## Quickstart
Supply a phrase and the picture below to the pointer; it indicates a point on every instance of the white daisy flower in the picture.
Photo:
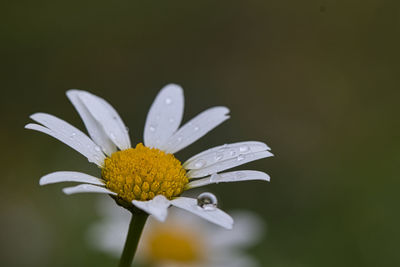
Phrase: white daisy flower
(174, 243)
(149, 177)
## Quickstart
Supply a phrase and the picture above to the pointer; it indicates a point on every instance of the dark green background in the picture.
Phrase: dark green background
(318, 81)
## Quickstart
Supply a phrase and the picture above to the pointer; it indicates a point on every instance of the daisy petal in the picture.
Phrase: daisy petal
(224, 152)
(87, 188)
(69, 135)
(158, 207)
(235, 176)
(108, 117)
(65, 176)
(164, 117)
(196, 128)
(216, 216)
(94, 128)
(228, 164)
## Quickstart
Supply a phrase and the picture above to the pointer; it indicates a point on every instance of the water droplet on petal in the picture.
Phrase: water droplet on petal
(196, 128)
(207, 201)
(152, 128)
(244, 148)
(200, 163)
(219, 156)
(223, 147)
(112, 136)
(240, 157)
(168, 101)
(73, 134)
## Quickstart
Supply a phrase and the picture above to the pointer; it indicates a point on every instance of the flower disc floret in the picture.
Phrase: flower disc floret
(141, 173)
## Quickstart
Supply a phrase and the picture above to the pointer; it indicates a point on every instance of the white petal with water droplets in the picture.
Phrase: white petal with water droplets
(158, 207)
(66, 176)
(228, 164)
(94, 128)
(196, 128)
(108, 117)
(235, 176)
(87, 188)
(164, 117)
(69, 135)
(224, 152)
(216, 216)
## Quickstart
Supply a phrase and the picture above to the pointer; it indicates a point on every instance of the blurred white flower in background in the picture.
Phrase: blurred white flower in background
(182, 240)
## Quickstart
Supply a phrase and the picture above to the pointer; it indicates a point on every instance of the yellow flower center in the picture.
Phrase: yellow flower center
(176, 245)
(141, 173)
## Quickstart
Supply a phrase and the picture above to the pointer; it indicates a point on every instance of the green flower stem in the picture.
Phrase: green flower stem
(132, 240)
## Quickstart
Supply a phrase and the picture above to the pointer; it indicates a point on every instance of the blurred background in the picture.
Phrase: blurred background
(318, 81)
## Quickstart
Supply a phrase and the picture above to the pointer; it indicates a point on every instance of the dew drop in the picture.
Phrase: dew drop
(223, 147)
(152, 128)
(219, 156)
(244, 148)
(168, 101)
(200, 163)
(240, 157)
(207, 201)
(73, 134)
(196, 128)
(112, 136)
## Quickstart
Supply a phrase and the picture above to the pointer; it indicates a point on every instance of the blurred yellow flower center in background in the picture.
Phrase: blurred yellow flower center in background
(141, 173)
(174, 245)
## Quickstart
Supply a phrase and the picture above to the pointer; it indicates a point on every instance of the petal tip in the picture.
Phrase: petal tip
(173, 85)
(67, 190)
(28, 126)
(42, 181)
(71, 91)
(229, 226)
(36, 116)
(226, 110)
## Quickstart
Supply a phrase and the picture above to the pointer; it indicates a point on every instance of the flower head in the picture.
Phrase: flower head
(149, 177)
(175, 243)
